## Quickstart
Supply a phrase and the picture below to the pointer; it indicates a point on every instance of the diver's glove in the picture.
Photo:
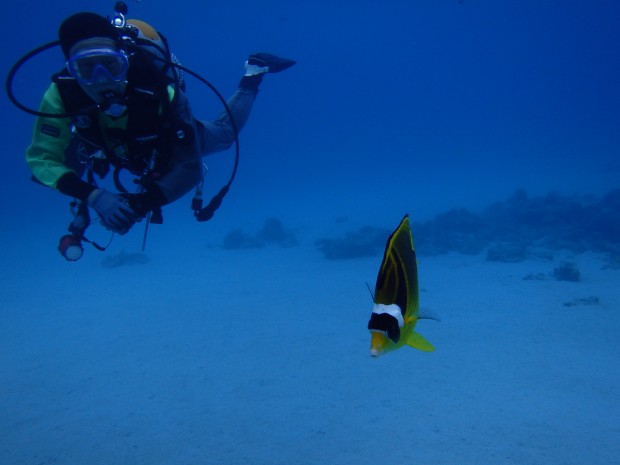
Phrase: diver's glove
(258, 64)
(150, 201)
(114, 211)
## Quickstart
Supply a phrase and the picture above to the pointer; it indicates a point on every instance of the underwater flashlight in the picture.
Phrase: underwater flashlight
(70, 247)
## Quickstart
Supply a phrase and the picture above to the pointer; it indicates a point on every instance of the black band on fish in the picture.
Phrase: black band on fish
(386, 323)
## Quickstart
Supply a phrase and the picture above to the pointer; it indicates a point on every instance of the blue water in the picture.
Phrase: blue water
(393, 107)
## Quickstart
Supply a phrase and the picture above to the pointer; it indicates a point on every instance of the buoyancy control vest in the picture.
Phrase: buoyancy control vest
(151, 87)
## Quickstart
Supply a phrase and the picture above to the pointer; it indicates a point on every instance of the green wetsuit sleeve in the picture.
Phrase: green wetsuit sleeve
(50, 138)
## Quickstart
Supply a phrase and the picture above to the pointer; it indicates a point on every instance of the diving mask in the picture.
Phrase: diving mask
(98, 65)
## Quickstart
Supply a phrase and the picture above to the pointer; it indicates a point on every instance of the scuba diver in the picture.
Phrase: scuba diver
(120, 105)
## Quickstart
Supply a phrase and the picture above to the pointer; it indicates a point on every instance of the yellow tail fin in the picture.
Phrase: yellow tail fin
(417, 341)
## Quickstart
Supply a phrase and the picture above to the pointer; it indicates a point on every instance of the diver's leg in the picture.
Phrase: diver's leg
(219, 134)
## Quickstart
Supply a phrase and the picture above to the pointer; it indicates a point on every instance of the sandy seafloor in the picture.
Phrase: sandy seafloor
(260, 356)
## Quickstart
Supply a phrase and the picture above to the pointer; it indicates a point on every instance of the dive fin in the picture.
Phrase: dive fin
(417, 341)
(274, 64)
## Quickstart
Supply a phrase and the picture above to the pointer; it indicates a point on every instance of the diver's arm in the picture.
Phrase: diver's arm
(46, 154)
(184, 170)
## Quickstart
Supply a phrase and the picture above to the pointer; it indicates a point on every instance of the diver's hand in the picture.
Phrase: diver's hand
(150, 201)
(261, 63)
(114, 211)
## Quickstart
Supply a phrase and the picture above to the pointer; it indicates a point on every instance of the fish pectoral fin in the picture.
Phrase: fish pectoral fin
(417, 341)
(426, 314)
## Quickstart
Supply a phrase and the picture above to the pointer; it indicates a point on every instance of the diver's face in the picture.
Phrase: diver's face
(99, 68)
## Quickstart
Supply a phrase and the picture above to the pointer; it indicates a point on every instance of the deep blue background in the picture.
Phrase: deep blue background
(206, 355)
(393, 106)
